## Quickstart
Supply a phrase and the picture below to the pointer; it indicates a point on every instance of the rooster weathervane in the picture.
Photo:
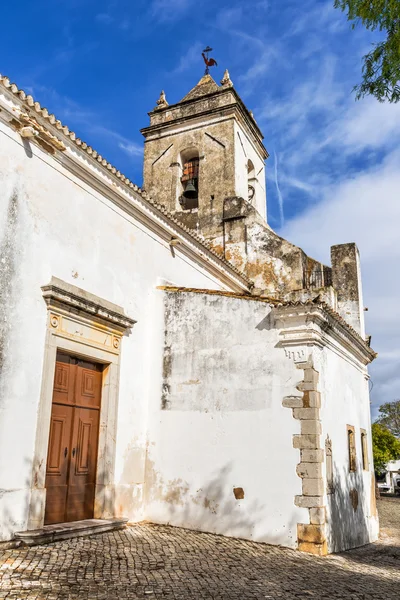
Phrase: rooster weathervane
(210, 62)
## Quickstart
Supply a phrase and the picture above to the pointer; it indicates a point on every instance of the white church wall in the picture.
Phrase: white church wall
(351, 507)
(54, 224)
(220, 427)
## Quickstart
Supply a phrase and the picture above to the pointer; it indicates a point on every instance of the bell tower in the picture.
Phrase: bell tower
(202, 151)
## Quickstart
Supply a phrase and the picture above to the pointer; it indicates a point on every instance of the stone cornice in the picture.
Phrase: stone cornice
(17, 109)
(237, 108)
(59, 293)
(312, 324)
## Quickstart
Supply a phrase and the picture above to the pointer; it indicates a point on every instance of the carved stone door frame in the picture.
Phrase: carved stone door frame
(90, 327)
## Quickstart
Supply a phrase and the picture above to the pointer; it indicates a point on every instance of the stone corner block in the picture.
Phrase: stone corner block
(317, 516)
(311, 426)
(293, 402)
(311, 470)
(310, 548)
(306, 413)
(309, 501)
(312, 456)
(313, 487)
(311, 399)
(314, 534)
(306, 441)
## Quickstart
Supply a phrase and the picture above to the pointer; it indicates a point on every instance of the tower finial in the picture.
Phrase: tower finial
(226, 80)
(210, 62)
(162, 101)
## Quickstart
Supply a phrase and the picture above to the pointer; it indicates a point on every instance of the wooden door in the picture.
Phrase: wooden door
(73, 440)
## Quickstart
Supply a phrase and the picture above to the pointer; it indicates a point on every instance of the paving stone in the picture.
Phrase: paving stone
(161, 562)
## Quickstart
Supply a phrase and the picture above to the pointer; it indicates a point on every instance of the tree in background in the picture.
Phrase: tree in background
(389, 416)
(385, 446)
(381, 68)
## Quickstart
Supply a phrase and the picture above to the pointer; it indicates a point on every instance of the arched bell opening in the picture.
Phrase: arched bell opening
(189, 193)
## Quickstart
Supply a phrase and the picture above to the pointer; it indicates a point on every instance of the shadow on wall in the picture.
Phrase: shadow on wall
(217, 506)
(9, 524)
(9, 257)
(348, 515)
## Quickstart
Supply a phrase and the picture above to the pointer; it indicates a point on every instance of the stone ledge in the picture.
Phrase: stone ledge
(65, 531)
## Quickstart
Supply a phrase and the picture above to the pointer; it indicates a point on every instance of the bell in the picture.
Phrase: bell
(190, 190)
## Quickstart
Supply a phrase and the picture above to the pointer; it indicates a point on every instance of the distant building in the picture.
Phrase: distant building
(389, 480)
(164, 354)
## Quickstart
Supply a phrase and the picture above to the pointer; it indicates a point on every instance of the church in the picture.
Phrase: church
(164, 354)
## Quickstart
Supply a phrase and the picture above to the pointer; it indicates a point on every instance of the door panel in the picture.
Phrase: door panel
(88, 385)
(57, 463)
(82, 475)
(64, 380)
(73, 440)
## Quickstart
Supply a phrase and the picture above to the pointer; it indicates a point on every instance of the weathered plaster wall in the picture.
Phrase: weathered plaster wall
(346, 276)
(220, 424)
(214, 144)
(351, 509)
(52, 223)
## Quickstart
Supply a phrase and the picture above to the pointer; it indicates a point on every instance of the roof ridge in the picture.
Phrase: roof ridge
(64, 129)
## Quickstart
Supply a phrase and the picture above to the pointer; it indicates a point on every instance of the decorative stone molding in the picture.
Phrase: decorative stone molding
(311, 537)
(226, 80)
(162, 101)
(309, 324)
(30, 128)
(60, 295)
(81, 324)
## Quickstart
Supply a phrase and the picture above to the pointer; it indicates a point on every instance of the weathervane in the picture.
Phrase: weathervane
(210, 62)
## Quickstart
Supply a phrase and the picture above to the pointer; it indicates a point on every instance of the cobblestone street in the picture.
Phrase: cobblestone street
(151, 561)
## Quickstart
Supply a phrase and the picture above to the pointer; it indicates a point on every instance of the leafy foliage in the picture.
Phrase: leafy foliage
(381, 68)
(389, 416)
(385, 446)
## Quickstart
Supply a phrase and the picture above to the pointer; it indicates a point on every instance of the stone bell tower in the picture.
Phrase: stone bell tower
(200, 152)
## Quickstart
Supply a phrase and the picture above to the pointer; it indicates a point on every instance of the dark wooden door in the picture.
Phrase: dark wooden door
(73, 440)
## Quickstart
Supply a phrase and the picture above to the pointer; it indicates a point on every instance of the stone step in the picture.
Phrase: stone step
(65, 531)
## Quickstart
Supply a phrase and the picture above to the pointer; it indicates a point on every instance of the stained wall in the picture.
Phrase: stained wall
(220, 455)
(55, 224)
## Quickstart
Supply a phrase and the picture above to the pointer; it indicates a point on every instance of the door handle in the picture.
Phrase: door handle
(73, 452)
(65, 452)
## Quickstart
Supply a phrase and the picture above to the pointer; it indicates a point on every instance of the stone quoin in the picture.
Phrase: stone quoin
(164, 354)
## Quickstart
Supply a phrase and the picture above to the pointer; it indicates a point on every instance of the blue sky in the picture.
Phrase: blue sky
(333, 173)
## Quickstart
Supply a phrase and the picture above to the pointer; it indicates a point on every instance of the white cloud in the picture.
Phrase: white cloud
(370, 124)
(131, 148)
(190, 58)
(169, 10)
(104, 18)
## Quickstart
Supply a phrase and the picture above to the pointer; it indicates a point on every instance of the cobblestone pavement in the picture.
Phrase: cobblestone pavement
(160, 562)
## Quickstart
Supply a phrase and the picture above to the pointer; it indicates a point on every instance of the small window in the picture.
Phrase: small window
(329, 465)
(364, 450)
(351, 438)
